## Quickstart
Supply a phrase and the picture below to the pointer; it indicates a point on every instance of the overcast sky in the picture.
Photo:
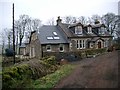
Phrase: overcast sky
(46, 9)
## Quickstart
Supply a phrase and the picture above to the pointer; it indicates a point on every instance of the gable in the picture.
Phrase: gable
(33, 36)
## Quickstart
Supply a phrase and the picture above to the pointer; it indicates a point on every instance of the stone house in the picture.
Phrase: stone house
(68, 38)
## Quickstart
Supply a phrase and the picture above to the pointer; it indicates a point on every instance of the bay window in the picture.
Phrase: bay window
(80, 44)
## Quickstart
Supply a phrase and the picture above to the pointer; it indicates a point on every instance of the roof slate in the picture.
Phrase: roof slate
(68, 30)
(47, 31)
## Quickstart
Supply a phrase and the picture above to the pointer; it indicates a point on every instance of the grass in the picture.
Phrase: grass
(49, 81)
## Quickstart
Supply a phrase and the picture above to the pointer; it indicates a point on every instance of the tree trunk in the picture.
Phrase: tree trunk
(17, 43)
(20, 45)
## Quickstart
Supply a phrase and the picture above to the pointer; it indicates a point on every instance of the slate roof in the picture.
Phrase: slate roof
(47, 31)
(69, 30)
(23, 45)
(65, 31)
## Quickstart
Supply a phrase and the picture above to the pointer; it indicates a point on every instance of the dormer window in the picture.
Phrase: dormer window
(78, 30)
(89, 29)
(102, 30)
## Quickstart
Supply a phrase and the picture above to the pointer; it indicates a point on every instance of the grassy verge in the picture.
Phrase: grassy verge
(49, 81)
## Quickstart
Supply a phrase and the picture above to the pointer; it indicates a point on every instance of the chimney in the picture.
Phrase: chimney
(97, 22)
(58, 20)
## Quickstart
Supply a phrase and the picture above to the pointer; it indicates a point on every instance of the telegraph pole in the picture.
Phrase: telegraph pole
(13, 37)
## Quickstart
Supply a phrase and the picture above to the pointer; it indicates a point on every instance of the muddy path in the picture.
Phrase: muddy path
(98, 72)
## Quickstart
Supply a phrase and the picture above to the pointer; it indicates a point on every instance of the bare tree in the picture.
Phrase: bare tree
(51, 21)
(70, 19)
(36, 24)
(20, 26)
(8, 36)
(89, 21)
(3, 41)
(82, 19)
(111, 21)
(23, 27)
(17, 28)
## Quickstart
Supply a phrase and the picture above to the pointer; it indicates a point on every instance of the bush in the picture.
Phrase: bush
(22, 74)
(117, 46)
(13, 75)
(51, 60)
(9, 52)
(49, 81)
(95, 51)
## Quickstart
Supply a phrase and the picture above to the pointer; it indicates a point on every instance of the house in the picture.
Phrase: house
(24, 49)
(68, 38)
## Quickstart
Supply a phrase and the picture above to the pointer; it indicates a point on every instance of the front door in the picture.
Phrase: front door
(99, 44)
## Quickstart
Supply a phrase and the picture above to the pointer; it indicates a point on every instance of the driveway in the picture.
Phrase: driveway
(98, 72)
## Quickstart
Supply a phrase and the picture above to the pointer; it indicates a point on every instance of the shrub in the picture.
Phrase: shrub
(13, 74)
(22, 74)
(51, 60)
(117, 46)
(9, 52)
(95, 51)
(49, 81)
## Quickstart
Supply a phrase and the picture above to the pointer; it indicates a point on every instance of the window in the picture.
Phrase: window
(77, 44)
(80, 44)
(48, 47)
(61, 48)
(56, 37)
(55, 33)
(78, 30)
(102, 30)
(49, 38)
(89, 29)
(106, 43)
(83, 43)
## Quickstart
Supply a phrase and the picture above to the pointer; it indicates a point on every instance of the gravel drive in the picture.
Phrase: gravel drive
(97, 72)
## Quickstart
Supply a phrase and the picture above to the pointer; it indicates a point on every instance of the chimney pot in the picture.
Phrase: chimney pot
(58, 20)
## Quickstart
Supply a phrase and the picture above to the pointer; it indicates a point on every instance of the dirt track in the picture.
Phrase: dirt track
(98, 72)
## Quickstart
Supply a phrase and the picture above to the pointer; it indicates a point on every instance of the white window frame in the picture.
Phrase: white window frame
(55, 33)
(89, 29)
(80, 44)
(47, 47)
(78, 30)
(56, 38)
(77, 44)
(49, 37)
(102, 30)
(106, 43)
(83, 44)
